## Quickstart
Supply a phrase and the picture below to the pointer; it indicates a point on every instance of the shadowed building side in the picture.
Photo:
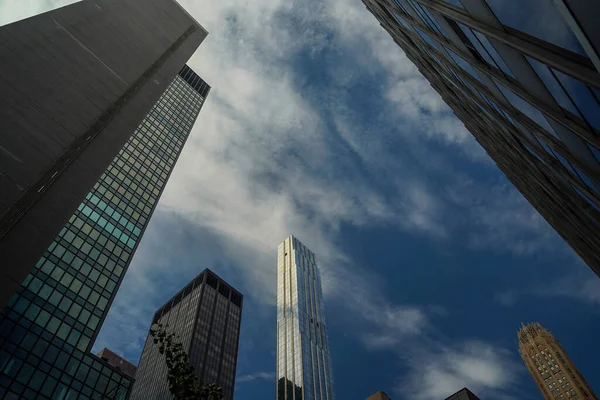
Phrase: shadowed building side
(48, 328)
(463, 394)
(206, 315)
(76, 83)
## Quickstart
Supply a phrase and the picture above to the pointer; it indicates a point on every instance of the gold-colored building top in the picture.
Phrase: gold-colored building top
(379, 396)
(553, 371)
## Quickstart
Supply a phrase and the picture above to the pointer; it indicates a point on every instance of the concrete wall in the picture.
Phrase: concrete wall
(92, 69)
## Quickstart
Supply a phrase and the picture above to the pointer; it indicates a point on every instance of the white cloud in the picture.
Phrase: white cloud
(16, 10)
(269, 157)
(497, 217)
(507, 298)
(485, 369)
(581, 285)
(267, 376)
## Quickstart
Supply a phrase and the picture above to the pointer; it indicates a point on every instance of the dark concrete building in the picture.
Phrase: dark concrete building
(48, 328)
(379, 396)
(75, 83)
(206, 314)
(553, 371)
(524, 80)
(463, 394)
(117, 361)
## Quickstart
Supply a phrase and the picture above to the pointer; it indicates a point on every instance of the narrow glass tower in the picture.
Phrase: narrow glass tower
(303, 357)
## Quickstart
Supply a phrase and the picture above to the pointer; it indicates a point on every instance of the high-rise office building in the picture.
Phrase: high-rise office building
(463, 394)
(524, 80)
(206, 315)
(49, 326)
(75, 84)
(117, 361)
(553, 371)
(379, 396)
(304, 369)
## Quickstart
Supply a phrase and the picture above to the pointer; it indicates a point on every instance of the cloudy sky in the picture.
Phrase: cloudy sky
(318, 125)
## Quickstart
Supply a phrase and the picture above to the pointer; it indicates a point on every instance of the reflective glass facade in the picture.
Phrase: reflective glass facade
(550, 366)
(525, 82)
(303, 358)
(206, 315)
(49, 325)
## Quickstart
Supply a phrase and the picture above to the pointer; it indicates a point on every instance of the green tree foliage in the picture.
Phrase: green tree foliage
(183, 383)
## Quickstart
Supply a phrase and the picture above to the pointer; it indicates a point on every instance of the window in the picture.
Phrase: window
(526, 108)
(584, 97)
(547, 25)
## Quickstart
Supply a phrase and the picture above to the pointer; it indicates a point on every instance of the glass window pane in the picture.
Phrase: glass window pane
(583, 98)
(526, 108)
(538, 18)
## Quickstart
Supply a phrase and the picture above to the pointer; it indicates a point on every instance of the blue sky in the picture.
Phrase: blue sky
(319, 126)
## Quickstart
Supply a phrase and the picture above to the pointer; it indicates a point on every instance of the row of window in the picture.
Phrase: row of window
(536, 115)
(36, 363)
(52, 320)
(570, 93)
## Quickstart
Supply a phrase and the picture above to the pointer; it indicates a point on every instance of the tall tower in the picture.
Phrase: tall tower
(529, 95)
(303, 357)
(206, 315)
(463, 394)
(50, 324)
(379, 396)
(76, 83)
(550, 366)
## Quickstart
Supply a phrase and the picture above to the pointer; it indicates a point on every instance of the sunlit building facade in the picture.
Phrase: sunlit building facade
(379, 396)
(524, 80)
(206, 316)
(553, 371)
(303, 356)
(49, 326)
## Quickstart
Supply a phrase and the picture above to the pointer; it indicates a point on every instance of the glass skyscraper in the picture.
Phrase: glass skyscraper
(49, 326)
(76, 83)
(303, 358)
(206, 315)
(524, 79)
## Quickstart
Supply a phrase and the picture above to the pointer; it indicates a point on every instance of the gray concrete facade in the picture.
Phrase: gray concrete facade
(75, 83)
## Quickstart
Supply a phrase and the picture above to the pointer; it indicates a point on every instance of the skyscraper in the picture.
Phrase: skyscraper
(206, 314)
(550, 366)
(524, 80)
(463, 394)
(76, 83)
(117, 361)
(303, 357)
(49, 326)
(379, 396)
